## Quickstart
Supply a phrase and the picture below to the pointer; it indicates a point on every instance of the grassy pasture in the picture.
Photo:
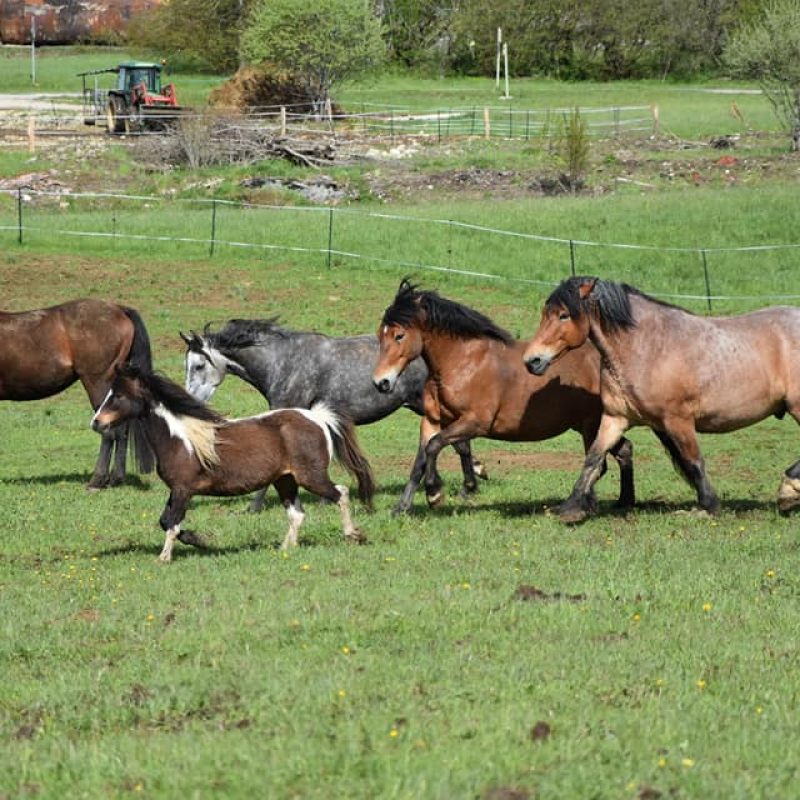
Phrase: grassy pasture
(659, 657)
(483, 650)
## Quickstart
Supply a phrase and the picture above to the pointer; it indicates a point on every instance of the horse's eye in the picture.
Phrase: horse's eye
(398, 337)
(199, 367)
(564, 316)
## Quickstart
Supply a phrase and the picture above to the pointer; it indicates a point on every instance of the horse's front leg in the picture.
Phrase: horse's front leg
(582, 502)
(623, 453)
(170, 521)
(462, 430)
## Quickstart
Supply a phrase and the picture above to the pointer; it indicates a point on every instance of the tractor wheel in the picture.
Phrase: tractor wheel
(117, 120)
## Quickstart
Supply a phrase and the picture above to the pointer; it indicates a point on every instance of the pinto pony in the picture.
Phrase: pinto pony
(480, 386)
(43, 352)
(674, 371)
(199, 452)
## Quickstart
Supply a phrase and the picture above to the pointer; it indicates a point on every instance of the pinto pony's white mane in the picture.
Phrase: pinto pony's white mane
(199, 436)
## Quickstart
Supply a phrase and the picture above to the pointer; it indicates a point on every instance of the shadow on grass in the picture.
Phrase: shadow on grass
(80, 478)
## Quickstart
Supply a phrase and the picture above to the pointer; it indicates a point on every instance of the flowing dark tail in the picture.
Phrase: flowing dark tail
(140, 356)
(349, 455)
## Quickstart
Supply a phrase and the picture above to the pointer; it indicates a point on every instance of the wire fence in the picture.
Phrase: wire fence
(111, 224)
(390, 122)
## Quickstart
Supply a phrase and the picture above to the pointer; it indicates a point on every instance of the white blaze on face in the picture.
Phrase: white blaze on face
(100, 407)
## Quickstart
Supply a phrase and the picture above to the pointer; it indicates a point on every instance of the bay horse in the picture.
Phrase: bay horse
(198, 451)
(481, 387)
(45, 351)
(297, 369)
(673, 371)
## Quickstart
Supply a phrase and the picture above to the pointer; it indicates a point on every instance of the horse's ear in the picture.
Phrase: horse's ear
(586, 288)
(187, 339)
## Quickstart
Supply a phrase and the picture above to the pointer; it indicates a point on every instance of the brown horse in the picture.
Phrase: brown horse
(199, 452)
(673, 371)
(479, 385)
(45, 351)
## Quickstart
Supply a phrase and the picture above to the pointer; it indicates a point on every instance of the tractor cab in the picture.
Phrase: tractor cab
(132, 74)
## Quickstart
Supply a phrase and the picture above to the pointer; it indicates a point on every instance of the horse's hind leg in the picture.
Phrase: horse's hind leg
(468, 468)
(414, 479)
(351, 533)
(286, 487)
(99, 479)
(680, 439)
(789, 491)
(623, 453)
(120, 455)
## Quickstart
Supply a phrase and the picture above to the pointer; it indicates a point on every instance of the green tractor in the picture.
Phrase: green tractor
(137, 103)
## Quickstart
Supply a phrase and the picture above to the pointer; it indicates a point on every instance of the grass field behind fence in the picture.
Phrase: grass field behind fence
(683, 244)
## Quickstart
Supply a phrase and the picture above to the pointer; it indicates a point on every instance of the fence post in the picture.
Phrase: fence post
(330, 236)
(487, 125)
(213, 227)
(572, 256)
(19, 215)
(707, 279)
(283, 120)
(656, 121)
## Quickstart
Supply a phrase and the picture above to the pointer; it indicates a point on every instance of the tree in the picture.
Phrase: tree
(321, 44)
(192, 34)
(767, 49)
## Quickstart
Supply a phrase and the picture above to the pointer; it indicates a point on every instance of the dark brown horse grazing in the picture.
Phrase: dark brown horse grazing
(480, 385)
(673, 371)
(199, 452)
(45, 351)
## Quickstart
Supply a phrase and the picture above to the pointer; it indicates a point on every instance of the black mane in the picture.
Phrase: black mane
(238, 333)
(609, 302)
(441, 314)
(170, 394)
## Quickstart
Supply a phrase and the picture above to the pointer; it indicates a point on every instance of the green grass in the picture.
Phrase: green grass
(407, 668)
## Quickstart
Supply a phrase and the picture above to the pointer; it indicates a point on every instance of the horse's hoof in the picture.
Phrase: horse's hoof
(435, 499)
(399, 511)
(356, 537)
(573, 515)
(466, 492)
(480, 471)
(90, 487)
(788, 494)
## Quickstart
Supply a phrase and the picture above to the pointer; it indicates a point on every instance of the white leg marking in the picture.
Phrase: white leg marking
(296, 517)
(350, 530)
(169, 542)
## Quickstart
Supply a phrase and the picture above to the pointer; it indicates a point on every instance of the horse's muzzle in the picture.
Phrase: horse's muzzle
(99, 427)
(537, 365)
(384, 385)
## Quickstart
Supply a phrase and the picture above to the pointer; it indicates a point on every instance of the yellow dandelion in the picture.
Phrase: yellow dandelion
(465, 585)
(295, 623)
(706, 607)
(662, 762)
(389, 559)
(306, 567)
(637, 617)
(770, 573)
(659, 682)
(394, 733)
(342, 693)
(688, 762)
(759, 710)
(701, 684)
(151, 617)
(346, 650)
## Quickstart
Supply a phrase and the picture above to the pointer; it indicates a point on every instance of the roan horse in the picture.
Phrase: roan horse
(481, 387)
(199, 452)
(298, 369)
(45, 351)
(673, 371)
